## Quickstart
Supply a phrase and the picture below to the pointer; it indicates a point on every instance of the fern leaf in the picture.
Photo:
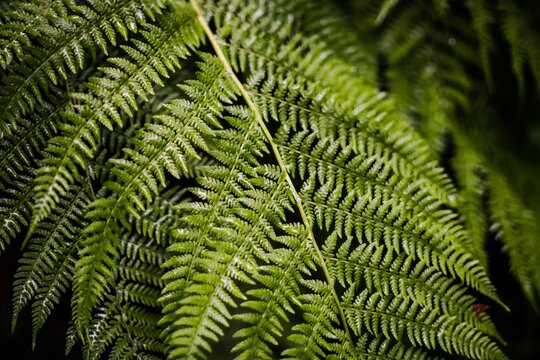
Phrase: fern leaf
(198, 306)
(107, 100)
(101, 243)
(23, 148)
(482, 20)
(523, 41)
(469, 172)
(126, 320)
(215, 87)
(262, 176)
(314, 338)
(15, 208)
(45, 269)
(518, 227)
(64, 41)
(19, 154)
(14, 37)
(56, 283)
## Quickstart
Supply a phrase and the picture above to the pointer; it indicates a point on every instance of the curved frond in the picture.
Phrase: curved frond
(106, 101)
(349, 175)
(65, 38)
(107, 213)
(518, 226)
(15, 207)
(46, 268)
(126, 320)
(23, 148)
(17, 27)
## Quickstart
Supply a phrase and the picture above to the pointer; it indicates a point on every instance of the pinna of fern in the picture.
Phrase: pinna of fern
(227, 173)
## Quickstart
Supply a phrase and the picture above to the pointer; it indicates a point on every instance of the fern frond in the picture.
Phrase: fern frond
(15, 207)
(470, 174)
(64, 42)
(119, 138)
(425, 61)
(196, 303)
(46, 268)
(56, 282)
(267, 309)
(106, 100)
(126, 321)
(518, 226)
(15, 29)
(523, 41)
(315, 338)
(215, 87)
(371, 219)
(18, 159)
(101, 242)
(24, 146)
(323, 19)
(203, 287)
(338, 204)
(482, 20)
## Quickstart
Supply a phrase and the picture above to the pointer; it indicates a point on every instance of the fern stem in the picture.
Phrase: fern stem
(258, 118)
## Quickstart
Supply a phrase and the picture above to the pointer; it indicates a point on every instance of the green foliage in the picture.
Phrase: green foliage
(60, 33)
(264, 176)
(126, 320)
(46, 268)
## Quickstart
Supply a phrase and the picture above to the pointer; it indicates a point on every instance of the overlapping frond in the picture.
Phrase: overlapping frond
(518, 226)
(355, 183)
(106, 101)
(19, 154)
(523, 41)
(46, 268)
(24, 147)
(440, 57)
(125, 322)
(482, 20)
(66, 32)
(424, 67)
(470, 174)
(150, 63)
(15, 207)
(16, 26)
(205, 296)
(322, 225)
